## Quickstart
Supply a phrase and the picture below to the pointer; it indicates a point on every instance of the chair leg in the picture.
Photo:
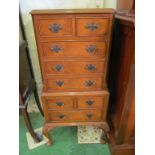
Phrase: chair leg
(38, 102)
(29, 126)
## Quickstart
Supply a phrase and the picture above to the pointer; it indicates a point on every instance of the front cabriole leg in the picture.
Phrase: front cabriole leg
(46, 130)
(105, 129)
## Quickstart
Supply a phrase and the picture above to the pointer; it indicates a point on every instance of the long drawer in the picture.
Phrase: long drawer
(75, 83)
(78, 115)
(74, 49)
(73, 67)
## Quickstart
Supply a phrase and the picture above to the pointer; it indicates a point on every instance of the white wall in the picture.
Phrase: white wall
(27, 5)
(110, 3)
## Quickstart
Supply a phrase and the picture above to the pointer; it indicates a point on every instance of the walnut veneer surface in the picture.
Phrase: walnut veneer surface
(73, 48)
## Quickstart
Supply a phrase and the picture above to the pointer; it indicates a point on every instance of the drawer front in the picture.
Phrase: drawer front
(61, 103)
(83, 83)
(85, 115)
(92, 26)
(73, 67)
(74, 49)
(92, 102)
(55, 27)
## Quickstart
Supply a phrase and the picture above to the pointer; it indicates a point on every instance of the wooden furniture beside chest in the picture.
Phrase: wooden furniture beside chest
(122, 83)
(27, 84)
(73, 48)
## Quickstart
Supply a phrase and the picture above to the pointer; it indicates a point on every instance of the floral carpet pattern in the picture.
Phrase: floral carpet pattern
(89, 134)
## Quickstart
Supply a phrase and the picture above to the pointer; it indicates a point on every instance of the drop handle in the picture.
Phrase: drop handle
(59, 83)
(90, 102)
(89, 116)
(92, 26)
(61, 116)
(89, 83)
(55, 27)
(91, 48)
(56, 49)
(58, 67)
(60, 104)
(90, 67)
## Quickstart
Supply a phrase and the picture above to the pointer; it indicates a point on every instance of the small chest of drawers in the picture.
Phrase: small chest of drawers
(73, 48)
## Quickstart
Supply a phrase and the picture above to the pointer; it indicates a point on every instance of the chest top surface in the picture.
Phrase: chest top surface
(73, 11)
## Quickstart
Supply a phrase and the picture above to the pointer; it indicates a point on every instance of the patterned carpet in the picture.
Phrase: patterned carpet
(89, 134)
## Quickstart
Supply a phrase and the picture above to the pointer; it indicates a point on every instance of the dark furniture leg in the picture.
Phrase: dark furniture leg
(26, 73)
(23, 107)
(38, 101)
(35, 136)
(27, 84)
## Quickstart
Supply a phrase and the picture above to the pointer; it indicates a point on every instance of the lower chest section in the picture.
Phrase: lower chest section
(75, 108)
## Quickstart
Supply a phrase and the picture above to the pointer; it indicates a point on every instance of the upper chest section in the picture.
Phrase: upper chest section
(73, 25)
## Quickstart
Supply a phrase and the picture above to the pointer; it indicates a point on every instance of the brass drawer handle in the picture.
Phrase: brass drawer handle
(61, 116)
(90, 102)
(92, 26)
(89, 115)
(60, 104)
(58, 67)
(91, 48)
(90, 67)
(89, 83)
(55, 27)
(56, 49)
(59, 83)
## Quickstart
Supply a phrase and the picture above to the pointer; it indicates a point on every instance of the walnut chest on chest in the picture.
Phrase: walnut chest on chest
(73, 48)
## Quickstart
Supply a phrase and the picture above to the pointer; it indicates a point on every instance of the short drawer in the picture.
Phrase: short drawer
(92, 102)
(73, 67)
(54, 27)
(60, 103)
(83, 115)
(74, 49)
(92, 26)
(75, 83)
